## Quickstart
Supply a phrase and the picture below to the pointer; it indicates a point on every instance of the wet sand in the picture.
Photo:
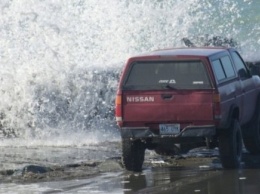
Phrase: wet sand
(98, 169)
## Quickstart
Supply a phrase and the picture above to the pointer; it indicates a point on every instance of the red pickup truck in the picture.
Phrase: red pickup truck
(169, 99)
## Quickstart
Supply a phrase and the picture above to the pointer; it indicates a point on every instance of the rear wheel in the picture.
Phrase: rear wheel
(133, 154)
(251, 136)
(230, 146)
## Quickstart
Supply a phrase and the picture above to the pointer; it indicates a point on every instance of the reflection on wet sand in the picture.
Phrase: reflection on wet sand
(194, 180)
(97, 169)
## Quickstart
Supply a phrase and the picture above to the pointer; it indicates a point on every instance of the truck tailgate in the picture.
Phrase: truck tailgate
(167, 106)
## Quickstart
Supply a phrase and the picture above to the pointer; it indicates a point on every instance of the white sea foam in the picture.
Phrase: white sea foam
(60, 60)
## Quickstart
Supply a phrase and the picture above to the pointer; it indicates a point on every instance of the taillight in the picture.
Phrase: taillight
(118, 111)
(216, 105)
(216, 98)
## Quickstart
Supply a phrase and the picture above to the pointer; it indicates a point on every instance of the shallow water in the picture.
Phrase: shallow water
(97, 169)
(195, 179)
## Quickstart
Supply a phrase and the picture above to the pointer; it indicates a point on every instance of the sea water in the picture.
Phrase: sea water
(60, 61)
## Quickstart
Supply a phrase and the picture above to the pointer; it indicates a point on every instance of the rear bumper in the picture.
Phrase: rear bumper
(190, 131)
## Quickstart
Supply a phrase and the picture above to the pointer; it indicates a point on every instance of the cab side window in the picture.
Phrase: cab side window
(240, 66)
(218, 69)
(223, 68)
(227, 65)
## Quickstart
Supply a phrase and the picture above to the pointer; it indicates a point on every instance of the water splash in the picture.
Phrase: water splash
(60, 60)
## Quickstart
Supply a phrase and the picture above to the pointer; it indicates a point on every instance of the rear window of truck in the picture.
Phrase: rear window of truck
(160, 75)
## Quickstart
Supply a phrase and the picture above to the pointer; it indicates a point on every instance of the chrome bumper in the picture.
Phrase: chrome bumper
(190, 131)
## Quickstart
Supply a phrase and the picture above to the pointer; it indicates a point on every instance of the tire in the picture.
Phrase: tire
(230, 146)
(133, 154)
(251, 136)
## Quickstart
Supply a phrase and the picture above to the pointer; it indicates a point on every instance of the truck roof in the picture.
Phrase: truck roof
(191, 51)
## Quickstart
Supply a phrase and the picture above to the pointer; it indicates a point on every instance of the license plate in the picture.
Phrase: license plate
(169, 129)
